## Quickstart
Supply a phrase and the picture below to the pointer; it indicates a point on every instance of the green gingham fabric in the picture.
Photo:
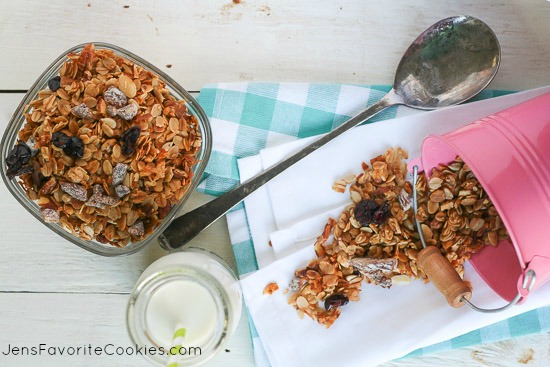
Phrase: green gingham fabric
(247, 117)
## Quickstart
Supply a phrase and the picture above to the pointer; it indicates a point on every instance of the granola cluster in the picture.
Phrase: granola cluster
(379, 248)
(111, 150)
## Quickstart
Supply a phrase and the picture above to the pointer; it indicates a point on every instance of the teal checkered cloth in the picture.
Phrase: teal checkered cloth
(247, 117)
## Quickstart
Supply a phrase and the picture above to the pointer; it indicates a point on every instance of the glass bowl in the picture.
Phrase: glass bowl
(18, 120)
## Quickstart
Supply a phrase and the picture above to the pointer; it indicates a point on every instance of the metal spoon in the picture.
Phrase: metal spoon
(447, 64)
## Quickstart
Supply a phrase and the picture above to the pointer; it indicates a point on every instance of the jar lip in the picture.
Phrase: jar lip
(218, 258)
(139, 299)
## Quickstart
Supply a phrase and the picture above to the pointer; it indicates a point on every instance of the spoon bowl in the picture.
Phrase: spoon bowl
(449, 63)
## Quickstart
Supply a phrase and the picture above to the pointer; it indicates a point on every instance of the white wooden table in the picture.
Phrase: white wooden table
(55, 293)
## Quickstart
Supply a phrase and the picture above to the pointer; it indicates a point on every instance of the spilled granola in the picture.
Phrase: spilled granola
(375, 240)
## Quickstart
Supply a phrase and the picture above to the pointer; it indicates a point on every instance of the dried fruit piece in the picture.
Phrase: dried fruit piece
(75, 190)
(271, 288)
(54, 83)
(129, 139)
(137, 230)
(118, 173)
(18, 159)
(378, 271)
(112, 110)
(128, 112)
(336, 300)
(49, 215)
(368, 211)
(114, 97)
(71, 145)
(100, 200)
(121, 191)
(82, 111)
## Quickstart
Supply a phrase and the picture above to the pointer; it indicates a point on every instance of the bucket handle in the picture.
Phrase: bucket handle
(447, 280)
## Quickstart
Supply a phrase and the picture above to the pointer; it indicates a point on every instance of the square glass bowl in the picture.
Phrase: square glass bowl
(17, 121)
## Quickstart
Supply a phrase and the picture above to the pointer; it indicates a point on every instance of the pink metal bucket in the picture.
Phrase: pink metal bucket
(509, 152)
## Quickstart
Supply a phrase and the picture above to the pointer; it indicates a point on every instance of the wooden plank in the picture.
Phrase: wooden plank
(531, 350)
(79, 320)
(38, 260)
(342, 41)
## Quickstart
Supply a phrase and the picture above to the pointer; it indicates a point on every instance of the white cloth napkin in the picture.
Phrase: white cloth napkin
(289, 211)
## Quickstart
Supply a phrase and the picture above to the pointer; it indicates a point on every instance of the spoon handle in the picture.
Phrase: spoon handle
(187, 226)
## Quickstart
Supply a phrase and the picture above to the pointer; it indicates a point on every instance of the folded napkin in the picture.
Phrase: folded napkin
(247, 117)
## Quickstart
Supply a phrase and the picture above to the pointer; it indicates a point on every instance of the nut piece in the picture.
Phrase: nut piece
(111, 110)
(127, 86)
(50, 215)
(118, 173)
(377, 271)
(100, 200)
(137, 229)
(83, 111)
(114, 97)
(128, 112)
(271, 288)
(75, 190)
(400, 279)
(121, 191)
(405, 199)
(294, 284)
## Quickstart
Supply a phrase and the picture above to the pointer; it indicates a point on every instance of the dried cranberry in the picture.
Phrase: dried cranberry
(129, 139)
(368, 211)
(336, 300)
(18, 160)
(71, 145)
(54, 83)
(382, 214)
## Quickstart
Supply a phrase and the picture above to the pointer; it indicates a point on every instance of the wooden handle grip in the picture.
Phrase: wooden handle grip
(443, 276)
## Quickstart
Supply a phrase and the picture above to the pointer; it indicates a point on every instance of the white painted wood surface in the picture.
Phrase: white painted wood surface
(52, 292)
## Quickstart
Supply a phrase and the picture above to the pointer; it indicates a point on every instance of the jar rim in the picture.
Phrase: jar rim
(139, 299)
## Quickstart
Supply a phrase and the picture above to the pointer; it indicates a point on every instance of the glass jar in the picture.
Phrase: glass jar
(192, 289)
(18, 120)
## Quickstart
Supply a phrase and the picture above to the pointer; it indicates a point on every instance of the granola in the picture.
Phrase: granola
(112, 149)
(375, 240)
(271, 288)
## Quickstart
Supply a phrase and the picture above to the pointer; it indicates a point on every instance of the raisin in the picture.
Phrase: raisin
(129, 139)
(336, 300)
(71, 145)
(77, 147)
(18, 160)
(54, 83)
(60, 140)
(368, 211)
(38, 178)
